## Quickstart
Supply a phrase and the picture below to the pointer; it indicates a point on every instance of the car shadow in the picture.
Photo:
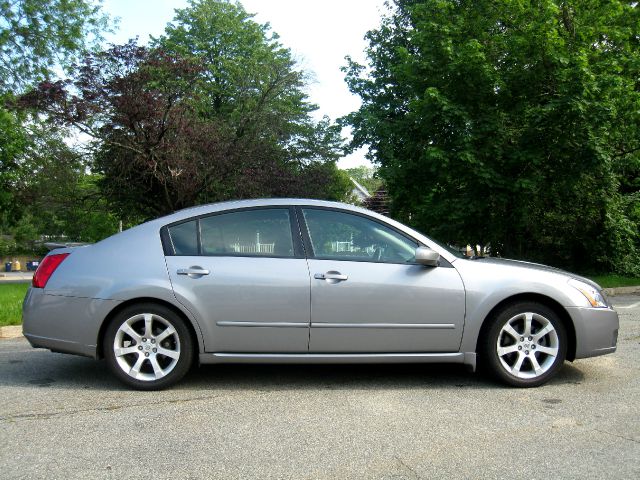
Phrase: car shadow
(346, 376)
(44, 369)
(332, 377)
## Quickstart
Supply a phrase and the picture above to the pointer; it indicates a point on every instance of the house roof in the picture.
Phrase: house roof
(363, 191)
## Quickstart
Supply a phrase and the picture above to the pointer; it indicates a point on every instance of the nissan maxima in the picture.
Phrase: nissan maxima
(306, 281)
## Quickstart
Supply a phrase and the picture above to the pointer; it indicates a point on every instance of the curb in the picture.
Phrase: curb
(16, 277)
(12, 331)
(612, 292)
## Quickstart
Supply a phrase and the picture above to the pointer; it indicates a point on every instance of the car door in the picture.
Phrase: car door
(244, 276)
(367, 294)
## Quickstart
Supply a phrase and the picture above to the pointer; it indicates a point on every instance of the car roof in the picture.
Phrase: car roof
(269, 201)
(261, 202)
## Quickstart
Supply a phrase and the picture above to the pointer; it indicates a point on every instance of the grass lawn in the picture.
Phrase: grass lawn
(611, 281)
(11, 296)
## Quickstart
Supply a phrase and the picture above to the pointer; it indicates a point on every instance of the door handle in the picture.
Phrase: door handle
(193, 271)
(336, 276)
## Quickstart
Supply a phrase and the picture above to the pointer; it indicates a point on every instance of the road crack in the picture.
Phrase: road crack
(108, 408)
(407, 467)
(615, 435)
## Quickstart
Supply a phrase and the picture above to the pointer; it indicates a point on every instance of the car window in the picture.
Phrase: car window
(343, 236)
(260, 232)
(184, 238)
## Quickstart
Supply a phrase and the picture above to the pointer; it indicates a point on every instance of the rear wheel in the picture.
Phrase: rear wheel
(148, 347)
(525, 345)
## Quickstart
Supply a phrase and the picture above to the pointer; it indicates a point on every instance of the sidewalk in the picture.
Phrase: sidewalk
(612, 292)
(16, 276)
(12, 331)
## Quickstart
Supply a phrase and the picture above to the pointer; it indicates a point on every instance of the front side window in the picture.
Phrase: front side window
(262, 232)
(344, 236)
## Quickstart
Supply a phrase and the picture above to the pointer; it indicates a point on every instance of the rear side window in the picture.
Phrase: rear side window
(184, 238)
(262, 232)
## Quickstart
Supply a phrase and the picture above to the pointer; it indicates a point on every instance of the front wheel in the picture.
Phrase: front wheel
(525, 345)
(148, 347)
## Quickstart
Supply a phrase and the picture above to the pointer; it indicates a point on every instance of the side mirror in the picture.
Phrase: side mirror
(426, 256)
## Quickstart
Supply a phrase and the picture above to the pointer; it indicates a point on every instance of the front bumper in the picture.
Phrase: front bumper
(596, 330)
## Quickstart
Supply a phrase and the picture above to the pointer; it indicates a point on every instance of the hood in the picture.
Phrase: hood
(535, 266)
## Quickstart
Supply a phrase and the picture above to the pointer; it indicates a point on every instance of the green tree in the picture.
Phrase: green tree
(37, 35)
(12, 144)
(251, 85)
(52, 194)
(513, 124)
(26, 234)
(215, 110)
(249, 78)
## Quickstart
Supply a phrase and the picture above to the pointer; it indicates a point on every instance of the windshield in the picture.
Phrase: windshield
(451, 250)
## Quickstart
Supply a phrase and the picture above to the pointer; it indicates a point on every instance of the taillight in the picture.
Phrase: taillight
(46, 269)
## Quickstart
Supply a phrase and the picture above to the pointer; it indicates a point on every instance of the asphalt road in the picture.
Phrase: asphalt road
(66, 417)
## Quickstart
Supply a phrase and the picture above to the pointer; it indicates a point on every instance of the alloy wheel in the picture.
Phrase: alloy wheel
(528, 345)
(146, 347)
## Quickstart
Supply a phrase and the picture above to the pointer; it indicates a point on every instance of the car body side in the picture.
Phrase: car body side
(93, 283)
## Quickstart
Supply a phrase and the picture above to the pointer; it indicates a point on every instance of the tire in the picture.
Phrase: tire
(525, 344)
(148, 347)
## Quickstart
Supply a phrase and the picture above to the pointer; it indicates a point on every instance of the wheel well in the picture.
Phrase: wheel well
(128, 303)
(547, 301)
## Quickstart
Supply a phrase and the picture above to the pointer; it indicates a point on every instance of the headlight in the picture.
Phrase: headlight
(593, 296)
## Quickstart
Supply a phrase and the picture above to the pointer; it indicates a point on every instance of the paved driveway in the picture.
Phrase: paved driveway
(65, 417)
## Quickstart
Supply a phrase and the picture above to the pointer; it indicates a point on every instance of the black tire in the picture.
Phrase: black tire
(152, 364)
(524, 360)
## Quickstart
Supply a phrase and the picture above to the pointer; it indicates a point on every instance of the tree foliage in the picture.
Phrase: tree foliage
(41, 178)
(155, 151)
(514, 124)
(248, 78)
(37, 35)
(215, 109)
(52, 194)
(251, 85)
(12, 143)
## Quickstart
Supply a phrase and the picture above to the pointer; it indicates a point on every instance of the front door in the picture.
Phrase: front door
(367, 294)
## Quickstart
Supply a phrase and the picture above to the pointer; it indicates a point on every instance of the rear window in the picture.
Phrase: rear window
(257, 232)
(184, 238)
(261, 232)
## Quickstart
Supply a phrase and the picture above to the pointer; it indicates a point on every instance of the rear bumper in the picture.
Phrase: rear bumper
(596, 330)
(62, 346)
(63, 324)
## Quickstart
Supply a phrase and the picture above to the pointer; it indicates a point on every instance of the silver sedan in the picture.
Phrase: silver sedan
(306, 281)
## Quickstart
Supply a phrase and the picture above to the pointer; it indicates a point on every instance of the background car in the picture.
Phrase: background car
(306, 281)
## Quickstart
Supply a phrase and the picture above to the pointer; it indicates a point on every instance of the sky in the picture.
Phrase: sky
(320, 33)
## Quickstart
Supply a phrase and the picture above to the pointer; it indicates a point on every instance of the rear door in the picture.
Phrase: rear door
(243, 274)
